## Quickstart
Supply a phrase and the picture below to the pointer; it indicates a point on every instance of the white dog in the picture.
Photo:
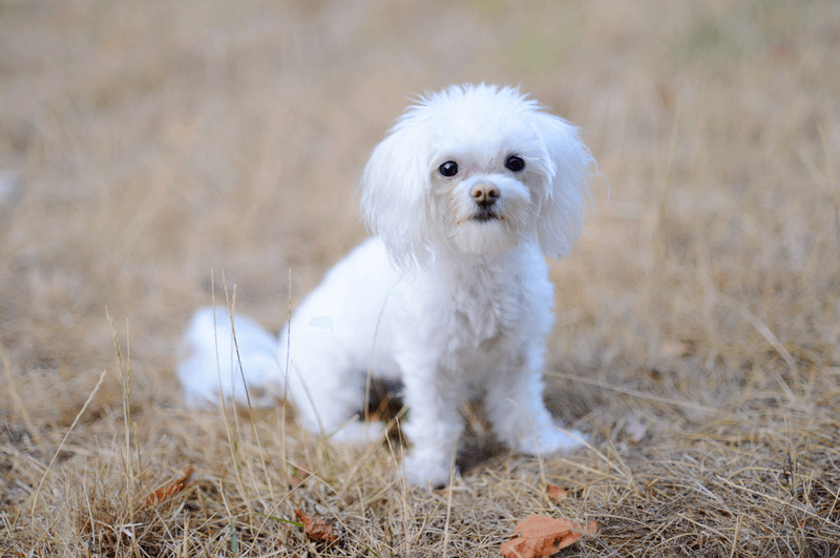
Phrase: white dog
(451, 295)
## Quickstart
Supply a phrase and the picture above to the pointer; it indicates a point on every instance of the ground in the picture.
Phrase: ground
(154, 152)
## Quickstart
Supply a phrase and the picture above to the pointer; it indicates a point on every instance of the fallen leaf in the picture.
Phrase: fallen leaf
(539, 535)
(300, 473)
(315, 528)
(166, 492)
(556, 493)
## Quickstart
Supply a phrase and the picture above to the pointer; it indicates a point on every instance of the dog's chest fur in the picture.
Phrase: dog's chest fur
(487, 306)
(488, 311)
(467, 316)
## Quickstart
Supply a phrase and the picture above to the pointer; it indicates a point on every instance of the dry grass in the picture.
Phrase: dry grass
(153, 141)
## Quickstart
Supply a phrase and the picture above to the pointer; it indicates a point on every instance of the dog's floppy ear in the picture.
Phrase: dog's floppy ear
(568, 176)
(394, 192)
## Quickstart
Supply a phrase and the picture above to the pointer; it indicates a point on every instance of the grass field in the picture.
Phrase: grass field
(144, 143)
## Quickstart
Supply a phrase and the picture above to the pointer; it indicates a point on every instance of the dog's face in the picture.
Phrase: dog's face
(476, 170)
(486, 180)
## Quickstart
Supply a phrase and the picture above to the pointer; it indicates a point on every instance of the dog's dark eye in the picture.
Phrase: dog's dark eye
(515, 163)
(449, 168)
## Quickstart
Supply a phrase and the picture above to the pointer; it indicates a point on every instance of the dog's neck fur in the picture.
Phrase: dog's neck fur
(485, 291)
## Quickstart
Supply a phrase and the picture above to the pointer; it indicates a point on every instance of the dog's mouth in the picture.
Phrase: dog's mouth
(485, 214)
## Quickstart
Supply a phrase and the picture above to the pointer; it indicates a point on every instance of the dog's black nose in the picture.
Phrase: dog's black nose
(484, 194)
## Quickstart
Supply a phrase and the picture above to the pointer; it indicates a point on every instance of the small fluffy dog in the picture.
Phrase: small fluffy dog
(473, 186)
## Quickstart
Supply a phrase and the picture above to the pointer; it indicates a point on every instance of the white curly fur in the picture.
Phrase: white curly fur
(449, 296)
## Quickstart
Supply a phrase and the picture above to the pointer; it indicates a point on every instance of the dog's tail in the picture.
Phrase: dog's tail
(238, 361)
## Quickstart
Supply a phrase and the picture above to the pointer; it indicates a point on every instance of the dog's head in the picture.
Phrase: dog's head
(476, 170)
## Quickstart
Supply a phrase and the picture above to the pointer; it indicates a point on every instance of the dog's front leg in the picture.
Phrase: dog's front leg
(433, 427)
(516, 408)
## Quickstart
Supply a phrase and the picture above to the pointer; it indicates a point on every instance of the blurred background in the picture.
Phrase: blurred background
(145, 144)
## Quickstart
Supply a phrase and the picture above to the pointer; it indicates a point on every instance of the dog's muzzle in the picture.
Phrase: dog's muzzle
(485, 195)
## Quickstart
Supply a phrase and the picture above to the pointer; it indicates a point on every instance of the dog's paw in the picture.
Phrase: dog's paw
(551, 439)
(426, 473)
(359, 433)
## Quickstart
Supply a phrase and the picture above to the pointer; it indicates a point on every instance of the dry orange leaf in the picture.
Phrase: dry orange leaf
(300, 473)
(315, 528)
(166, 492)
(556, 493)
(539, 535)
